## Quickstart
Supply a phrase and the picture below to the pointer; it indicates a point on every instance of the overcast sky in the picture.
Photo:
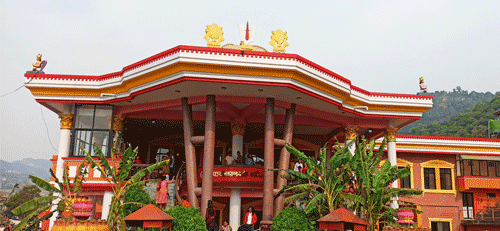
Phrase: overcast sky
(381, 46)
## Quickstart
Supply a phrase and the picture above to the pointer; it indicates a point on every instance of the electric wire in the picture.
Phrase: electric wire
(16, 89)
(47, 129)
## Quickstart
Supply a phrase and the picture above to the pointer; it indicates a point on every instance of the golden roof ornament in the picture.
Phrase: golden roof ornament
(39, 63)
(214, 35)
(279, 41)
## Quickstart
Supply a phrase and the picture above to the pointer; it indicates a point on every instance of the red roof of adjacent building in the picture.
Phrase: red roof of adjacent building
(148, 213)
(342, 215)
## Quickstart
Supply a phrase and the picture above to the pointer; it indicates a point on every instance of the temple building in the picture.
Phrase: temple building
(209, 103)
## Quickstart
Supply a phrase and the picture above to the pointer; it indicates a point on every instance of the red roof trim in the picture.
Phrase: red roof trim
(447, 138)
(441, 152)
(229, 81)
(206, 50)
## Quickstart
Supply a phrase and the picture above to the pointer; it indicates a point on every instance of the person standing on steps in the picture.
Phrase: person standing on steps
(249, 220)
(210, 217)
(162, 191)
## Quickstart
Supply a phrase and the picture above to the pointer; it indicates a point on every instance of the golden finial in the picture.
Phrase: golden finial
(38, 63)
(279, 40)
(214, 35)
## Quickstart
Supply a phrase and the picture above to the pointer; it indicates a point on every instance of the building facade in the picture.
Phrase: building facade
(210, 103)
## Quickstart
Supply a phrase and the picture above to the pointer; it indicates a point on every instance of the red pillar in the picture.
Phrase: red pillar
(190, 153)
(208, 160)
(285, 156)
(268, 161)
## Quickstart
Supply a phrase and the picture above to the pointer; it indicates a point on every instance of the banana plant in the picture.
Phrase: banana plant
(118, 177)
(61, 195)
(322, 188)
(372, 183)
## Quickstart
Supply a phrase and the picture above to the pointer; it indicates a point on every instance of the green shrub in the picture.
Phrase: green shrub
(292, 218)
(187, 219)
(135, 194)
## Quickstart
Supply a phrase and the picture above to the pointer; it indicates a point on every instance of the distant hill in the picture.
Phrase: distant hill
(471, 123)
(18, 171)
(449, 104)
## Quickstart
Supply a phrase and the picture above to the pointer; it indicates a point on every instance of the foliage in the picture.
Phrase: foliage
(187, 219)
(134, 194)
(292, 218)
(457, 113)
(27, 193)
(60, 195)
(118, 177)
(370, 183)
(322, 188)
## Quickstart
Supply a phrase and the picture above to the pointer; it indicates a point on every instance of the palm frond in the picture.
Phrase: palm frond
(56, 180)
(28, 218)
(43, 184)
(32, 204)
(314, 202)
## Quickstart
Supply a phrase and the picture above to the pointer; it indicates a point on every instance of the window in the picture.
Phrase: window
(468, 205)
(405, 182)
(430, 178)
(92, 125)
(440, 226)
(487, 168)
(438, 177)
(445, 178)
(490, 195)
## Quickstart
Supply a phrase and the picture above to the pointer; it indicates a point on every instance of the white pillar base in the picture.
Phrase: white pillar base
(237, 146)
(235, 208)
(64, 145)
(54, 216)
(106, 204)
(392, 157)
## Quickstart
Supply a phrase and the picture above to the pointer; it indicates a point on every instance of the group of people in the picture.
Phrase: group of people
(249, 220)
(5, 224)
(249, 160)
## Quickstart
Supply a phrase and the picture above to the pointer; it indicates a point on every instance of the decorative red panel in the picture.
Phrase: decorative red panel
(153, 224)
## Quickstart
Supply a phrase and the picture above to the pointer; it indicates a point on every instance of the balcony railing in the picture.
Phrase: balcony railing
(484, 217)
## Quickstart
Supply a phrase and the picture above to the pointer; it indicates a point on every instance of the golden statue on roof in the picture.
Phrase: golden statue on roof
(279, 40)
(38, 63)
(214, 35)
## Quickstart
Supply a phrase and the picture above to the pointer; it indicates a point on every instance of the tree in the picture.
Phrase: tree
(60, 195)
(292, 218)
(350, 181)
(371, 184)
(118, 177)
(187, 219)
(321, 188)
(27, 193)
(134, 194)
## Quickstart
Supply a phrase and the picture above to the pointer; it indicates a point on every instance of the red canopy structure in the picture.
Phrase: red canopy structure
(149, 217)
(340, 220)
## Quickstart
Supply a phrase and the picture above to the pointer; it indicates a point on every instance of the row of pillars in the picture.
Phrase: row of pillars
(269, 206)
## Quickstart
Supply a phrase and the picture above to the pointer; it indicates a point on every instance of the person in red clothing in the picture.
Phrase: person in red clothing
(304, 169)
(250, 219)
(210, 217)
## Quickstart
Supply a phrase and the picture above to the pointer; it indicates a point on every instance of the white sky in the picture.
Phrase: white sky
(381, 46)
